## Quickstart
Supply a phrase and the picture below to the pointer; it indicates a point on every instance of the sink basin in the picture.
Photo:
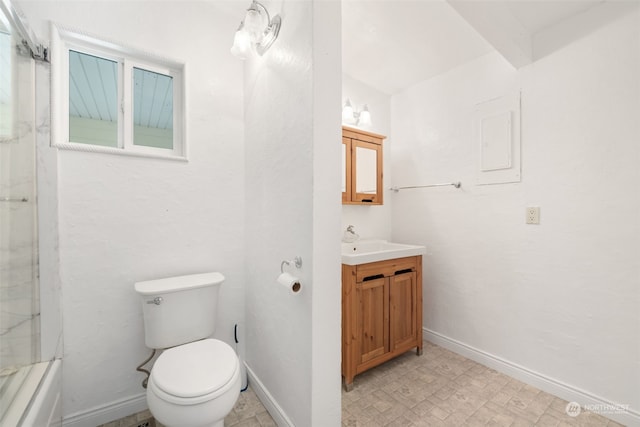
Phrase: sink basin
(364, 251)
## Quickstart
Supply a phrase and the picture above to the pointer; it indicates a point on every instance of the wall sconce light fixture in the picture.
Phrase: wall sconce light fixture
(351, 116)
(257, 32)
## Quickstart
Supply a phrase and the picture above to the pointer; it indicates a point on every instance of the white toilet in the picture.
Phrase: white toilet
(196, 381)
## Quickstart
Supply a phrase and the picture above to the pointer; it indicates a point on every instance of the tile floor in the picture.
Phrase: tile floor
(248, 412)
(442, 388)
(439, 388)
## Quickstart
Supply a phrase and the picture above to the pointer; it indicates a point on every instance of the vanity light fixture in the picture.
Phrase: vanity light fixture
(257, 31)
(359, 118)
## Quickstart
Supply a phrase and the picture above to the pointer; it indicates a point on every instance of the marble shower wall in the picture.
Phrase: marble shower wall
(19, 300)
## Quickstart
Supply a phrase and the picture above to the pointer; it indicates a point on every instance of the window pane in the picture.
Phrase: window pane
(93, 100)
(152, 109)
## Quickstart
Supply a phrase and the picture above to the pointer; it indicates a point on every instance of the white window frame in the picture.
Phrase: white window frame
(62, 41)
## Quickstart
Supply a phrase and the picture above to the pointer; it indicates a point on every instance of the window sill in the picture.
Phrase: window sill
(117, 151)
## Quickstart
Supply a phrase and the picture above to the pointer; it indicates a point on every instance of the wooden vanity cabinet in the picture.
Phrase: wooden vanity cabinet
(362, 167)
(381, 313)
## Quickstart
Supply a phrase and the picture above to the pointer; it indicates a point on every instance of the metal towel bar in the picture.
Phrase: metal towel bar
(455, 184)
(13, 199)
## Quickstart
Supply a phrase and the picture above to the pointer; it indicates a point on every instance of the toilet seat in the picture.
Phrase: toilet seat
(194, 373)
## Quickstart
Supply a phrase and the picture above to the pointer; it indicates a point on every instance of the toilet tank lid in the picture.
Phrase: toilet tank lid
(178, 283)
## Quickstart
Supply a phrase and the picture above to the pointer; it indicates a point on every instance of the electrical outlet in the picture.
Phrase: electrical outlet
(533, 215)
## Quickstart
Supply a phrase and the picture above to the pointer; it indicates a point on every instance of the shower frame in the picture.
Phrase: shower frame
(30, 389)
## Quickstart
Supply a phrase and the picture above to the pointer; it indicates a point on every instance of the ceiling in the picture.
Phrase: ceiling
(393, 44)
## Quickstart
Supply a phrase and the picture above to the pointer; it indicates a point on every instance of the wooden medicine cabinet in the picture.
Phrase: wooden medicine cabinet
(362, 167)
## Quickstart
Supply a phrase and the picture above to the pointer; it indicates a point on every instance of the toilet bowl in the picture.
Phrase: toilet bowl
(195, 384)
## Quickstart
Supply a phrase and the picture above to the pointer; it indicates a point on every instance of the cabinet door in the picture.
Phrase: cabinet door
(367, 172)
(346, 170)
(361, 167)
(372, 318)
(403, 311)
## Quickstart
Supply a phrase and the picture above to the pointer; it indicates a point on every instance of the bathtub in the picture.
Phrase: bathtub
(37, 403)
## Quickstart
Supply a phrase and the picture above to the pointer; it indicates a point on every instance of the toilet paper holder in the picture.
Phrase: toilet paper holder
(297, 261)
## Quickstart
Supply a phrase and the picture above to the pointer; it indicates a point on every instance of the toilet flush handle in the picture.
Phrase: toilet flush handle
(156, 301)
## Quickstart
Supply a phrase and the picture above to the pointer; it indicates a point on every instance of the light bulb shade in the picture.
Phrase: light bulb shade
(241, 44)
(254, 24)
(257, 32)
(365, 117)
(347, 112)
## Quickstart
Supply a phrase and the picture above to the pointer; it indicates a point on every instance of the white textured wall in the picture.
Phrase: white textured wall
(292, 198)
(561, 298)
(125, 219)
(326, 391)
(371, 221)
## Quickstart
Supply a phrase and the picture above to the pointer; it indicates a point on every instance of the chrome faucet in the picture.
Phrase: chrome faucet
(350, 235)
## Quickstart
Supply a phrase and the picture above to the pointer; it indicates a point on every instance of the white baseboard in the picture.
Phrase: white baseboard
(550, 385)
(276, 412)
(109, 412)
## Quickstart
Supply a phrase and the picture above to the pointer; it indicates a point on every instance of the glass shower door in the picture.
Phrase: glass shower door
(19, 294)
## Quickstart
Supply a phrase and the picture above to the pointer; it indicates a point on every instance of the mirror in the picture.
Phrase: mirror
(366, 170)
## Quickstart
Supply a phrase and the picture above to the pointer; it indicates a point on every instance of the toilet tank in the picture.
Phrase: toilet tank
(178, 310)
